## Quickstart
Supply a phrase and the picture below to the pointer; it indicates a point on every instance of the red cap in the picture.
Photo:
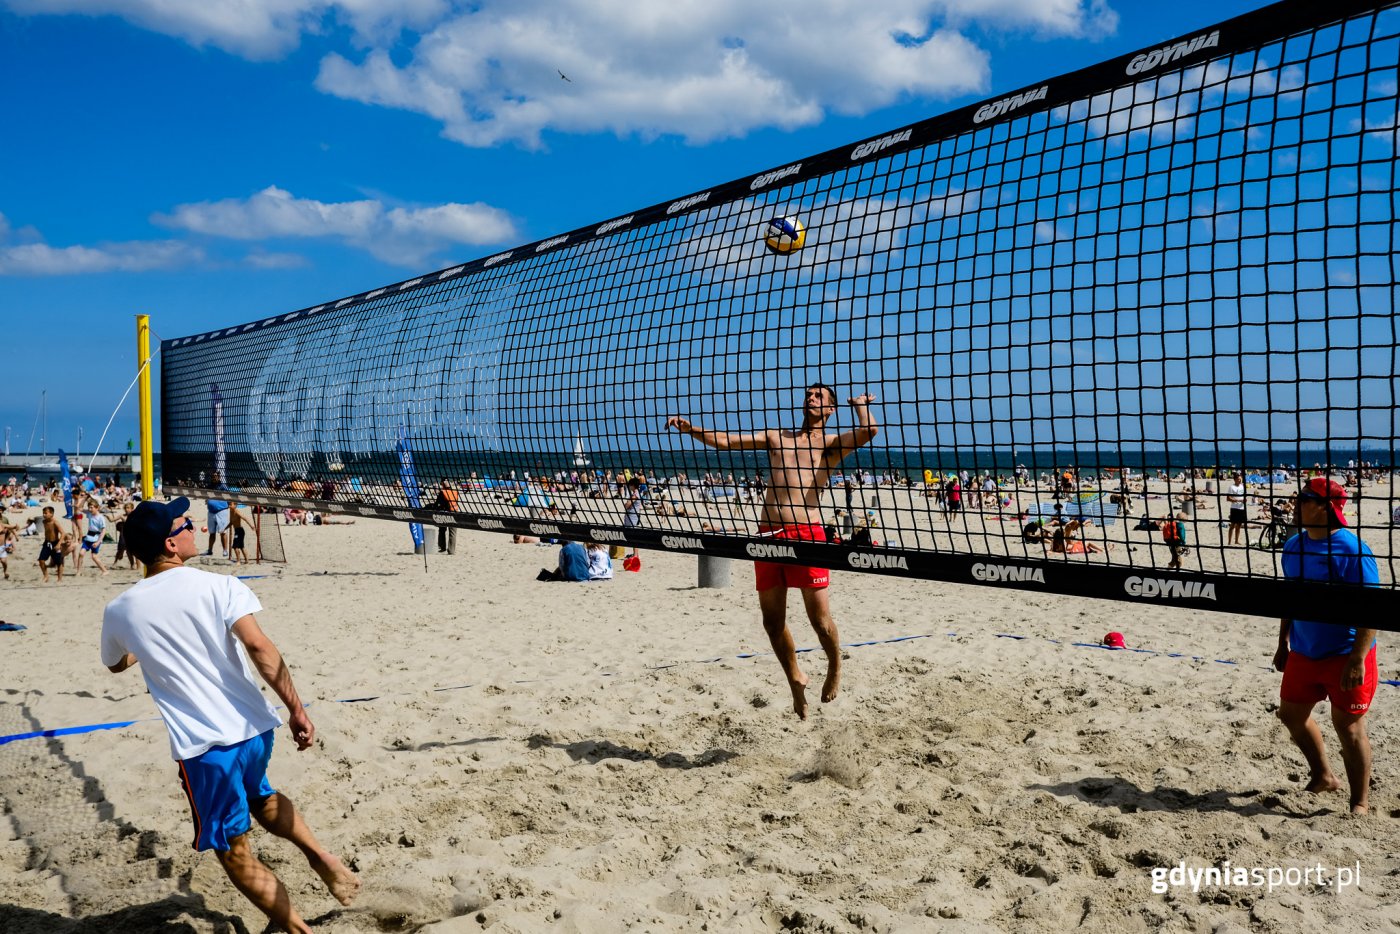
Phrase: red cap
(1332, 493)
(1114, 640)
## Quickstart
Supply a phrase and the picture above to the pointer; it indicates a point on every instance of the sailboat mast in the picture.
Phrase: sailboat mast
(29, 445)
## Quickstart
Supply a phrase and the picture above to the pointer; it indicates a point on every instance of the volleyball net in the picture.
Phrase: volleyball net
(1100, 317)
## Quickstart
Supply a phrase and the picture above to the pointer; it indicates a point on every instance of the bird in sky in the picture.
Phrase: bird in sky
(565, 77)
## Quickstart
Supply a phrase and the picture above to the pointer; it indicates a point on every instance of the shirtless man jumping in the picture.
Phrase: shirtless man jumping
(800, 462)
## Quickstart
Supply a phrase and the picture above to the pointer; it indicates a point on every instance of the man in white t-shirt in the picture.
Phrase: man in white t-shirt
(197, 642)
(1239, 510)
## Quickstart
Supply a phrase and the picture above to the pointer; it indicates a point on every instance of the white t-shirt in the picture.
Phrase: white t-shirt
(599, 565)
(179, 626)
(1236, 496)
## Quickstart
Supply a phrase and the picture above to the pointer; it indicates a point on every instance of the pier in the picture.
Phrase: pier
(126, 462)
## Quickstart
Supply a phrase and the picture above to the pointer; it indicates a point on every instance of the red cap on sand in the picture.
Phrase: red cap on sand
(1332, 493)
(1114, 640)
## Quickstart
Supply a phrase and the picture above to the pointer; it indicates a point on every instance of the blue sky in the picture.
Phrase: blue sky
(211, 166)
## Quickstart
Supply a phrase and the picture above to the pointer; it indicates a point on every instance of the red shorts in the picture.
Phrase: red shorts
(1309, 680)
(768, 575)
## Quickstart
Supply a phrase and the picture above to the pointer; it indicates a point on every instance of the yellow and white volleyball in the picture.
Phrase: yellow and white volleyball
(784, 235)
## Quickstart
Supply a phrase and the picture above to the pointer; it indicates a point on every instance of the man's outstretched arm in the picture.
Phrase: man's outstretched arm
(268, 661)
(722, 440)
(866, 429)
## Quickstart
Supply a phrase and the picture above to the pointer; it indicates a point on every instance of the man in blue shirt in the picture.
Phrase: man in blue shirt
(573, 565)
(573, 562)
(217, 519)
(1334, 661)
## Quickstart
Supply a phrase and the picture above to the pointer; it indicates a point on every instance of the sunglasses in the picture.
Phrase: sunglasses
(186, 526)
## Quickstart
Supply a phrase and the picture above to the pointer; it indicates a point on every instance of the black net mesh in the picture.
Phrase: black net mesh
(1083, 310)
(266, 542)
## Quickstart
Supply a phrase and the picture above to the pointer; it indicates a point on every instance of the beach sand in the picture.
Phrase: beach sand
(497, 753)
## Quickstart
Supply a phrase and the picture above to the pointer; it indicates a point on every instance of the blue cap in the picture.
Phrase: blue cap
(148, 526)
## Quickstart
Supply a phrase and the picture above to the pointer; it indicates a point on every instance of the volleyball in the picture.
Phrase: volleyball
(784, 235)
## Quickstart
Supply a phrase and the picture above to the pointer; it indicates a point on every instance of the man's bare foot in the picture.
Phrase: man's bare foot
(833, 681)
(1360, 810)
(1324, 782)
(343, 883)
(799, 697)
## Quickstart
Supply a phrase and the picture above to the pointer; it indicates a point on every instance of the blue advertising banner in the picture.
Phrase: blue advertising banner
(409, 478)
(66, 478)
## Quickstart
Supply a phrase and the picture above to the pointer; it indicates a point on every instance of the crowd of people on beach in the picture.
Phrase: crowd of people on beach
(953, 495)
(1083, 501)
(64, 541)
(61, 539)
(100, 507)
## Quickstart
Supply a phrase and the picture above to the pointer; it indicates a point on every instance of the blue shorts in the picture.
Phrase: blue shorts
(219, 785)
(92, 546)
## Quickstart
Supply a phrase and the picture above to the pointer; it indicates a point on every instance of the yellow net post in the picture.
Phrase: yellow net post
(143, 358)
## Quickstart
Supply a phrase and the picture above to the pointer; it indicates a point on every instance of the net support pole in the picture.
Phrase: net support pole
(143, 354)
(714, 572)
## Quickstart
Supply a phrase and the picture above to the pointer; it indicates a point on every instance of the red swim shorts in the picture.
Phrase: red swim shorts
(1309, 680)
(768, 575)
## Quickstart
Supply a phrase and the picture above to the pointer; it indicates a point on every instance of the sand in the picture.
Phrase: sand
(497, 753)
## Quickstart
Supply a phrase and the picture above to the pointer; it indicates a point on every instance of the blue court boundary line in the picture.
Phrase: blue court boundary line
(96, 727)
(71, 730)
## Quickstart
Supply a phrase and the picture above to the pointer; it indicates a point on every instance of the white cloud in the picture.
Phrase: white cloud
(489, 71)
(255, 29)
(701, 69)
(1167, 106)
(402, 236)
(40, 259)
(32, 257)
(1380, 128)
(259, 259)
(1090, 19)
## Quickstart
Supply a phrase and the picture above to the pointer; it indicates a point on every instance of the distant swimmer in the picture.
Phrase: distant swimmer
(800, 462)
